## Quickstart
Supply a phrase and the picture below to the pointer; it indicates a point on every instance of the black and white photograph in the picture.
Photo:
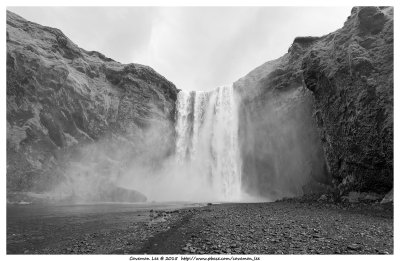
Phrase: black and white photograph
(198, 131)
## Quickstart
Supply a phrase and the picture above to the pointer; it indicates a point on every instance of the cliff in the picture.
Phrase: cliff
(62, 100)
(319, 117)
(330, 96)
(280, 145)
(350, 73)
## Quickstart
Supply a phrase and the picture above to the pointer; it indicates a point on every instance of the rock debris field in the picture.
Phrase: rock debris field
(284, 227)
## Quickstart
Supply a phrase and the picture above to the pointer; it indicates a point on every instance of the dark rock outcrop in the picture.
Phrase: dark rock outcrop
(113, 193)
(61, 98)
(320, 115)
(343, 128)
(281, 150)
(388, 197)
(350, 73)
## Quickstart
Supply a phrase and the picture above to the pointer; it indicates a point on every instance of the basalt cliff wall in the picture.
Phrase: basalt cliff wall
(323, 112)
(319, 116)
(63, 101)
(350, 73)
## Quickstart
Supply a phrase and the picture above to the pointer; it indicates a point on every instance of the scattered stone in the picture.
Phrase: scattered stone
(354, 197)
(354, 247)
(371, 197)
(388, 197)
(323, 198)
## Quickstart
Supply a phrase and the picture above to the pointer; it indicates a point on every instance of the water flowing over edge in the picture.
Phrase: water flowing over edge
(207, 143)
(206, 165)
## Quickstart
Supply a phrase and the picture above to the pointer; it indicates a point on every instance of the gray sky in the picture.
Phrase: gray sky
(197, 48)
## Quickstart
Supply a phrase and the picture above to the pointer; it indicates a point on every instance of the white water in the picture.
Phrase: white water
(207, 163)
(207, 141)
(206, 166)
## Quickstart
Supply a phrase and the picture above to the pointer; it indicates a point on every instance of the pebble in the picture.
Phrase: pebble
(354, 247)
(236, 229)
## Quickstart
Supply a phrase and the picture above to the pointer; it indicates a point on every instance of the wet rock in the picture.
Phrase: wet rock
(357, 136)
(271, 95)
(354, 197)
(371, 197)
(388, 197)
(353, 95)
(113, 193)
(323, 198)
(354, 247)
(371, 19)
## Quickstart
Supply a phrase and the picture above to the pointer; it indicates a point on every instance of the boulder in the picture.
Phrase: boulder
(388, 197)
(371, 19)
(323, 198)
(119, 194)
(371, 197)
(354, 197)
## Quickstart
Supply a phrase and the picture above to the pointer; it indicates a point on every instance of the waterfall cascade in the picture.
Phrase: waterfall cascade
(207, 140)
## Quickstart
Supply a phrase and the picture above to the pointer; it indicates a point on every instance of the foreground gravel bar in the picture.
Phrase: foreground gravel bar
(242, 228)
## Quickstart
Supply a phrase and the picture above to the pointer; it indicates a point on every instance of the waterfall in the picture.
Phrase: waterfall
(207, 140)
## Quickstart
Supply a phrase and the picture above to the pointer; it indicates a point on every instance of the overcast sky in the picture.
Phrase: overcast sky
(197, 48)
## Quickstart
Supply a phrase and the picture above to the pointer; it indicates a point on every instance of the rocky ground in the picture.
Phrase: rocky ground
(86, 229)
(286, 227)
(280, 228)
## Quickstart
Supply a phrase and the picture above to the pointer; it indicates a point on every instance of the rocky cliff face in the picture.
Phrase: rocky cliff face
(281, 150)
(320, 115)
(63, 101)
(330, 98)
(350, 73)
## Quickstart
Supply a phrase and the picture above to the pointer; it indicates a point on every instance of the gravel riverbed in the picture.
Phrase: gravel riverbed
(237, 228)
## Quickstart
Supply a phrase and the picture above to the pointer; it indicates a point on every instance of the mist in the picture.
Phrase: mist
(132, 161)
(281, 151)
(221, 147)
(195, 159)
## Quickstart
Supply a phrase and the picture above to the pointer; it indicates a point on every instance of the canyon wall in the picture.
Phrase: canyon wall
(66, 105)
(319, 116)
(323, 112)
(282, 154)
(350, 73)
